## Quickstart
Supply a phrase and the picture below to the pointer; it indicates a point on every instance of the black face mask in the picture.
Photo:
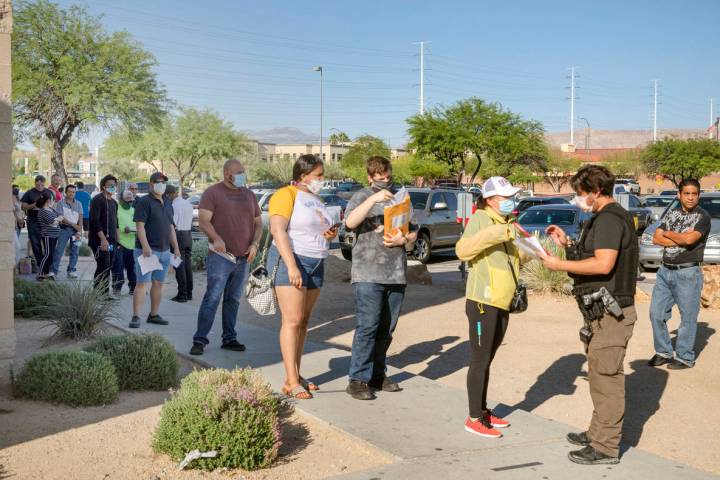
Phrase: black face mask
(382, 185)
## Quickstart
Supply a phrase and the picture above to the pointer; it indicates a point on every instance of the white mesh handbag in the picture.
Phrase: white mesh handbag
(259, 287)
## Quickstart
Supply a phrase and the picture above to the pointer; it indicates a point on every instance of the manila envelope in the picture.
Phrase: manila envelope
(398, 217)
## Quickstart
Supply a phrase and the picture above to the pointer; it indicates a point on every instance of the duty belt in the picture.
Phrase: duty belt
(680, 266)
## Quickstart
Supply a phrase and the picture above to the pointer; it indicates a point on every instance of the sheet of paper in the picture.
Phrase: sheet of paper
(226, 255)
(149, 264)
(70, 215)
(176, 261)
(530, 245)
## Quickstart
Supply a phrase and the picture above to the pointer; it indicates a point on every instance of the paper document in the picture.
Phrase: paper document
(149, 264)
(398, 213)
(71, 215)
(530, 245)
(226, 255)
(176, 261)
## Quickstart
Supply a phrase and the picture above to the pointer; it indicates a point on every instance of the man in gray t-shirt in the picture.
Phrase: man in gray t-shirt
(378, 278)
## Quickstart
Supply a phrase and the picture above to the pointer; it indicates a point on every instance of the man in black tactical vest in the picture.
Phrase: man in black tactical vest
(603, 264)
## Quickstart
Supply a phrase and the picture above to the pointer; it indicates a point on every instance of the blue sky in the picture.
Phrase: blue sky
(252, 61)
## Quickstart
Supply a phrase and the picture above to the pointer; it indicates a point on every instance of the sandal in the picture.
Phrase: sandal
(309, 386)
(298, 392)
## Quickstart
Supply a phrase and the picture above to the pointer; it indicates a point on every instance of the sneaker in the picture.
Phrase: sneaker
(233, 345)
(72, 275)
(178, 299)
(359, 390)
(496, 422)
(581, 439)
(50, 276)
(386, 385)
(481, 427)
(590, 456)
(134, 322)
(157, 319)
(678, 364)
(659, 360)
(197, 349)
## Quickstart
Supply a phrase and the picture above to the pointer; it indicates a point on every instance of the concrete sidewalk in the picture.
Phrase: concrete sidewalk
(422, 426)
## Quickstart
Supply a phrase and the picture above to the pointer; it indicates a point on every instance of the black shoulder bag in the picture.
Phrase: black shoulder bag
(520, 300)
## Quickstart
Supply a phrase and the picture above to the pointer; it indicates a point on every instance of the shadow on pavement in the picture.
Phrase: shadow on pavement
(644, 388)
(558, 379)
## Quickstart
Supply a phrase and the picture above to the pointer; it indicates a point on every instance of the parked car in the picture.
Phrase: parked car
(641, 215)
(528, 202)
(568, 217)
(657, 205)
(651, 254)
(347, 189)
(628, 184)
(669, 192)
(333, 200)
(434, 211)
(335, 205)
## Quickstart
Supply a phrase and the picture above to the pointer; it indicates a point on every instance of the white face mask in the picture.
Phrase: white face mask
(582, 203)
(314, 186)
(159, 188)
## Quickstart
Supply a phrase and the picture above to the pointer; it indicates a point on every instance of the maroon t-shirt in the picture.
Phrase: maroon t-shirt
(234, 212)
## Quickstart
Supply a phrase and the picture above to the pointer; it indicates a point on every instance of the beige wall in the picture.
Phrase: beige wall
(7, 245)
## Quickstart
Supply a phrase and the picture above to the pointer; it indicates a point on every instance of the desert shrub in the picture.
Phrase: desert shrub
(31, 297)
(73, 378)
(142, 362)
(541, 280)
(199, 254)
(75, 310)
(232, 412)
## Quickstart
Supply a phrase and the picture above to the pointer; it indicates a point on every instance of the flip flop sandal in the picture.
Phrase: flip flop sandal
(309, 386)
(296, 393)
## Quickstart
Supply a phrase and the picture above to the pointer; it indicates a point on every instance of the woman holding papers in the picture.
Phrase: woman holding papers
(494, 262)
(302, 229)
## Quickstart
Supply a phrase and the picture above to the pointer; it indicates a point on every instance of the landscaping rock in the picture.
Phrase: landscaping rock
(710, 297)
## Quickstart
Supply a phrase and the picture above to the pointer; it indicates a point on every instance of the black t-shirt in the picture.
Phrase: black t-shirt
(611, 229)
(681, 221)
(32, 196)
(157, 216)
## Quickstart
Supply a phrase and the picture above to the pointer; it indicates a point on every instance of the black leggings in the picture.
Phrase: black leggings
(491, 324)
(48, 246)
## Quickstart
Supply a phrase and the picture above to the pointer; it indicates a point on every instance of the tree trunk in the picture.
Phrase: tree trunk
(57, 160)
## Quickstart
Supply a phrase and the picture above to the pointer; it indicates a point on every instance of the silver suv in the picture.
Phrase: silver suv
(435, 213)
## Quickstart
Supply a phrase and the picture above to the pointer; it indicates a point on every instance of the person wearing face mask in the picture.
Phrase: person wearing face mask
(125, 256)
(230, 216)
(378, 277)
(155, 235)
(603, 264)
(70, 231)
(493, 267)
(103, 232)
(301, 229)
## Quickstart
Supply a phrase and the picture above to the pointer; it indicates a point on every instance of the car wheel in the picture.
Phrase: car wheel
(421, 252)
(346, 253)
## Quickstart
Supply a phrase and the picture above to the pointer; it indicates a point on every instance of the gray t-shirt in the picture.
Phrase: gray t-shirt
(372, 261)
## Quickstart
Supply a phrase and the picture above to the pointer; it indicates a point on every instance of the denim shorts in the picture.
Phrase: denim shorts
(311, 269)
(155, 275)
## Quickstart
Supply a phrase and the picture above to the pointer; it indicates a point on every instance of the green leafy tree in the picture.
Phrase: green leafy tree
(339, 138)
(472, 131)
(69, 74)
(185, 143)
(676, 159)
(559, 169)
(364, 147)
(427, 168)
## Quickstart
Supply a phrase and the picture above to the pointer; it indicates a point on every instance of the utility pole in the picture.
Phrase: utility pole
(712, 117)
(320, 69)
(572, 105)
(422, 76)
(655, 104)
(97, 166)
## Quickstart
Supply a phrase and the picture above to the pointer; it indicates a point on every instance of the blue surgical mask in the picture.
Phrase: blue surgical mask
(239, 180)
(110, 190)
(507, 207)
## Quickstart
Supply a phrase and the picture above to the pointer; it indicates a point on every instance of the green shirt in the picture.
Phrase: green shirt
(125, 219)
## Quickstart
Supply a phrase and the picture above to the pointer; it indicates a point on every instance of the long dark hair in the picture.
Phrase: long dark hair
(304, 165)
(40, 202)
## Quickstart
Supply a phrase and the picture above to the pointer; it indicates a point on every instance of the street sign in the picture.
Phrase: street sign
(466, 207)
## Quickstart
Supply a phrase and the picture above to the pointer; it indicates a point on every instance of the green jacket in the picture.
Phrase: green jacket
(490, 280)
(125, 219)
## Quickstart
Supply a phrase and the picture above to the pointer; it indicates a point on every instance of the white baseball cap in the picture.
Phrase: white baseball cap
(498, 186)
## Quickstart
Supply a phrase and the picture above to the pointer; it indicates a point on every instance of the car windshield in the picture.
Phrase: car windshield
(709, 204)
(657, 202)
(419, 200)
(547, 217)
(259, 196)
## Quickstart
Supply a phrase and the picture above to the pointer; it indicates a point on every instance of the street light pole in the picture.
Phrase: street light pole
(587, 137)
(320, 69)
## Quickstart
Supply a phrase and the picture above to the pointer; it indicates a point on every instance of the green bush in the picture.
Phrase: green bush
(199, 254)
(541, 280)
(75, 310)
(73, 378)
(232, 412)
(30, 297)
(84, 251)
(142, 362)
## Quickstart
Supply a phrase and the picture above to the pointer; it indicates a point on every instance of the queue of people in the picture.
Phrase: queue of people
(602, 262)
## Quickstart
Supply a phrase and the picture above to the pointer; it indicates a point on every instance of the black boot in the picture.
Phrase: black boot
(581, 439)
(590, 456)
(359, 390)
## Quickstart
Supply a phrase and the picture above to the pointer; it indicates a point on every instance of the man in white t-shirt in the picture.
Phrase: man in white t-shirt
(182, 216)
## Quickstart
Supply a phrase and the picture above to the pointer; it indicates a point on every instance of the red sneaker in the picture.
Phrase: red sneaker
(481, 427)
(495, 421)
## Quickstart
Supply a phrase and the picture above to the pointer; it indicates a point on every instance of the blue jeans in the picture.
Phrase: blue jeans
(124, 263)
(377, 309)
(66, 235)
(224, 279)
(682, 288)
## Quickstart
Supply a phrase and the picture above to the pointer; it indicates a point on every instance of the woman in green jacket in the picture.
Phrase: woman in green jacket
(487, 247)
